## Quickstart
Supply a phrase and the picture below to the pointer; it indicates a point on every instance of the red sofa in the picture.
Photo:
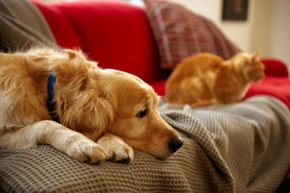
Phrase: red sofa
(118, 35)
(114, 33)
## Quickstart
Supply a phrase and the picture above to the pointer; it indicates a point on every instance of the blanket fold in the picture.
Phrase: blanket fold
(23, 26)
(250, 137)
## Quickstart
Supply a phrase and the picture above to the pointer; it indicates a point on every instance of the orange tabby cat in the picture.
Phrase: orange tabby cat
(205, 79)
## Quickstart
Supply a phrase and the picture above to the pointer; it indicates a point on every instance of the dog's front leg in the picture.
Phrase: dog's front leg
(72, 143)
(116, 148)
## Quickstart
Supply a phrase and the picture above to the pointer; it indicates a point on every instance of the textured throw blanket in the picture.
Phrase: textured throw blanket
(22, 26)
(233, 148)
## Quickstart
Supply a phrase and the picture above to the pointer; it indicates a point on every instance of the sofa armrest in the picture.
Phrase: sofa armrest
(275, 67)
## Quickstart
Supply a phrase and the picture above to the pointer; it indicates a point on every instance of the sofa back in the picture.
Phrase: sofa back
(114, 33)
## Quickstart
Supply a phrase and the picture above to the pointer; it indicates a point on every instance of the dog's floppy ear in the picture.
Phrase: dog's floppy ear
(71, 68)
(87, 112)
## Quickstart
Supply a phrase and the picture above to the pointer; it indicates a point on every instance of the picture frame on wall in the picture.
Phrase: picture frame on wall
(235, 10)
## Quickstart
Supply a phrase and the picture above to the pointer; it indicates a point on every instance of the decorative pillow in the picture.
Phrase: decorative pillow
(180, 33)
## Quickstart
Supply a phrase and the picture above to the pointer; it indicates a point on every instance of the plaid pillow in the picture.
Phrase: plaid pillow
(180, 33)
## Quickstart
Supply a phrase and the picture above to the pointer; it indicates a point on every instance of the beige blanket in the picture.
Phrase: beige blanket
(22, 26)
(236, 148)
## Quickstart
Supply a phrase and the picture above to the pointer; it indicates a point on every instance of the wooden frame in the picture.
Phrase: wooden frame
(236, 10)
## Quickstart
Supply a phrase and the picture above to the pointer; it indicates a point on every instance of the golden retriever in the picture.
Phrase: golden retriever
(102, 113)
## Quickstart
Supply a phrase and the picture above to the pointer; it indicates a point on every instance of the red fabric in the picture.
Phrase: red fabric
(275, 67)
(159, 87)
(114, 33)
(60, 25)
(278, 87)
(117, 34)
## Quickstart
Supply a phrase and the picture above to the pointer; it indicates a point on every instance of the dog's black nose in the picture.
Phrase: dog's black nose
(175, 144)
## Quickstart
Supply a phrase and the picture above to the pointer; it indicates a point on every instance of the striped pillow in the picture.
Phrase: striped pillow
(180, 33)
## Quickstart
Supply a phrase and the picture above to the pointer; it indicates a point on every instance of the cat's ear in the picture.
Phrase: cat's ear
(256, 57)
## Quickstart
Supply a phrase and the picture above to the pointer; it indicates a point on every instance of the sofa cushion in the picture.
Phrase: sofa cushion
(159, 87)
(114, 33)
(180, 33)
(275, 67)
(65, 35)
(274, 86)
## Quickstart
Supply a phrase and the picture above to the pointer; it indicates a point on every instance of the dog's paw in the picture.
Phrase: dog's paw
(122, 154)
(117, 149)
(87, 151)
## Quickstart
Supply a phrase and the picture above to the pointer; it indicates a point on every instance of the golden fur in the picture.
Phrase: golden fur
(205, 79)
(103, 113)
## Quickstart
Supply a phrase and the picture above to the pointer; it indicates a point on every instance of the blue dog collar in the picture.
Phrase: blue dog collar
(51, 103)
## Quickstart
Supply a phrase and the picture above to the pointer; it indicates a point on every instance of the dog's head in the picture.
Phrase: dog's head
(136, 119)
(93, 101)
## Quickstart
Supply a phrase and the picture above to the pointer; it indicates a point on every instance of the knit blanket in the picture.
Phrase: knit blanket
(23, 26)
(228, 148)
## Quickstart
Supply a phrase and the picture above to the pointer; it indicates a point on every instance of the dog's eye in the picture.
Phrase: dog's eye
(142, 113)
